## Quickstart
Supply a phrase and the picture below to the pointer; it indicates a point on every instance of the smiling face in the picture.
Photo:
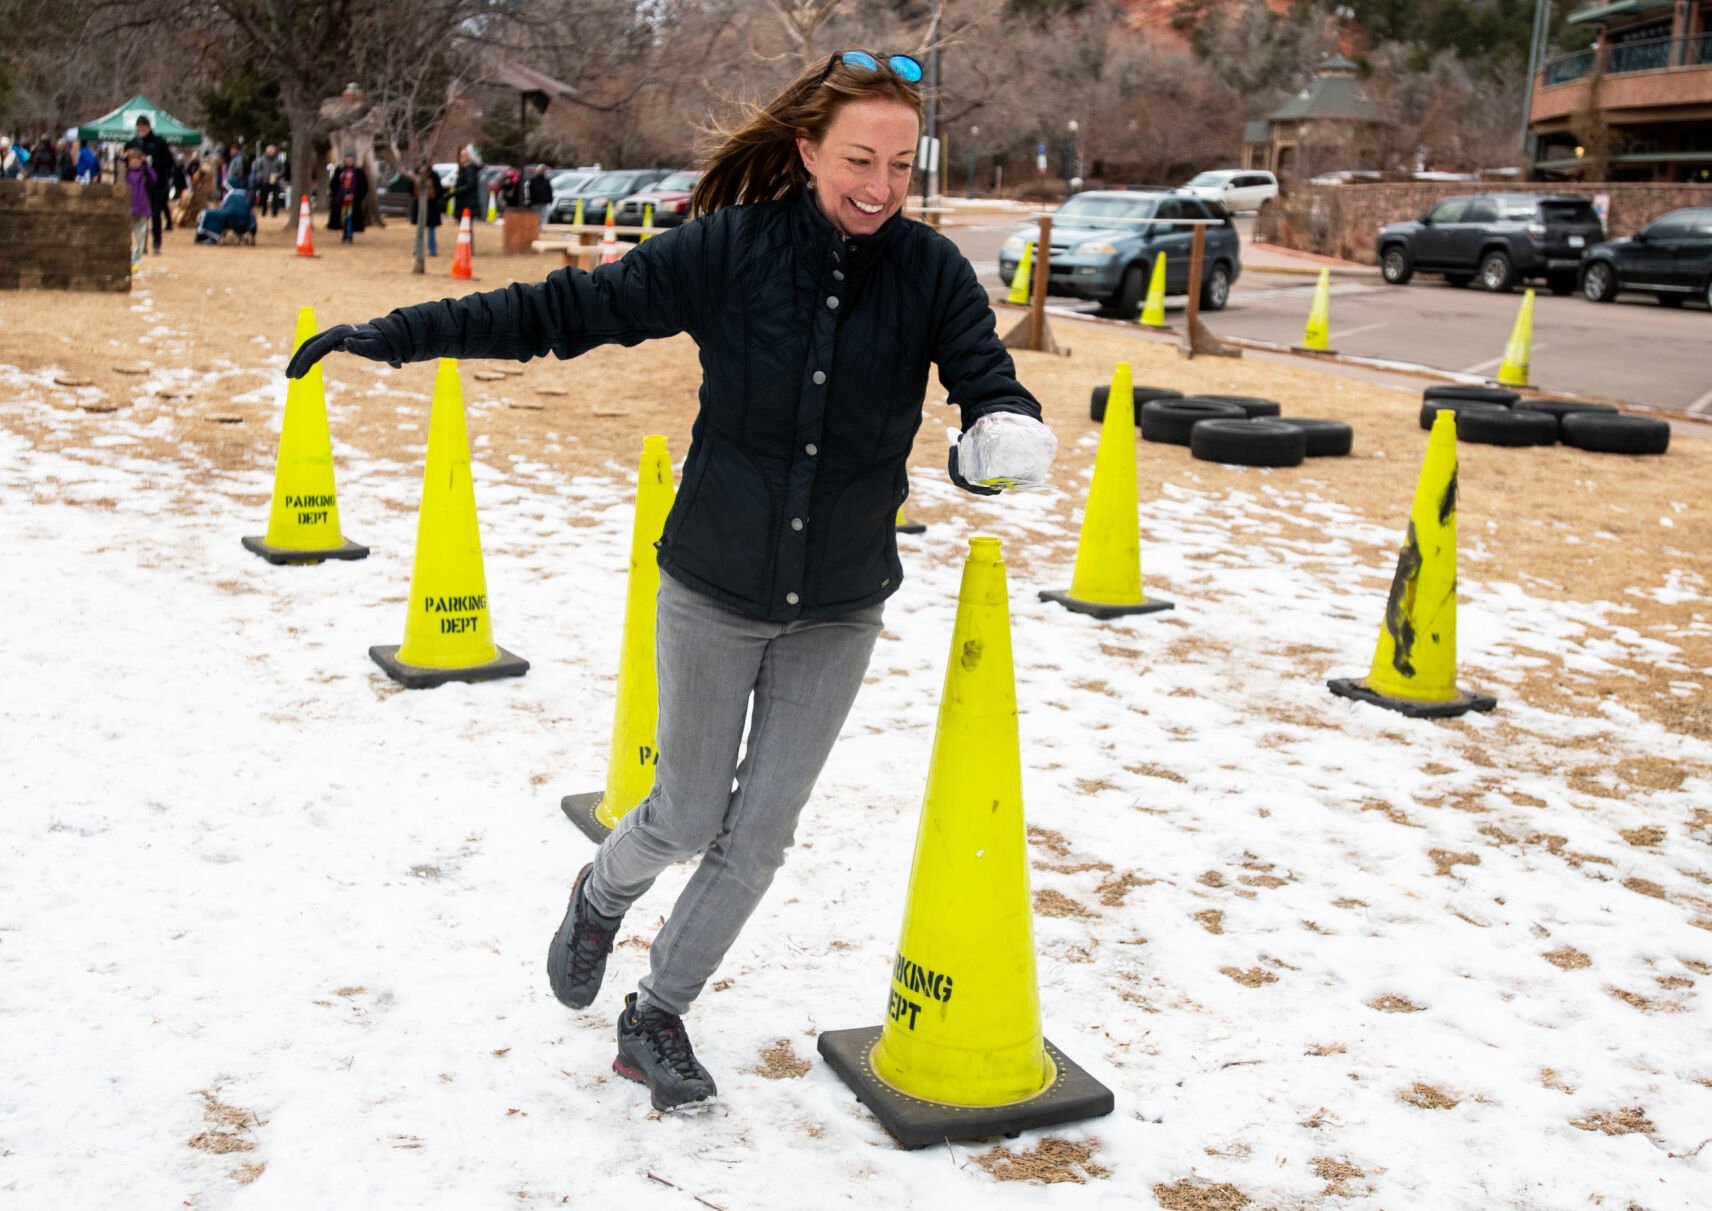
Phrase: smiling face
(861, 166)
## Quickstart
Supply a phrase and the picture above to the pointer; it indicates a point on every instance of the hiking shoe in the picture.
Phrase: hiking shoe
(654, 1050)
(576, 960)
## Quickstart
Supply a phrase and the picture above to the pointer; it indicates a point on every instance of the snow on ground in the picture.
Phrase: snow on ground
(273, 929)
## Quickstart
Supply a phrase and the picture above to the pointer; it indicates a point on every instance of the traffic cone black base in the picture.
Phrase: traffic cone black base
(581, 810)
(284, 555)
(1349, 687)
(912, 527)
(420, 677)
(915, 1123)
(1102, 610)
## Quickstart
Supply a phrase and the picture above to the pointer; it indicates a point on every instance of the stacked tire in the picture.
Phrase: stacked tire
(1497, 417)
(1242, 430)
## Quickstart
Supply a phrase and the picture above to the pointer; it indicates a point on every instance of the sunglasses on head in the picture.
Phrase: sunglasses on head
(902, 66)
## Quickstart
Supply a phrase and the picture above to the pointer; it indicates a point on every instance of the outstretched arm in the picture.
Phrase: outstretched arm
(648, 293)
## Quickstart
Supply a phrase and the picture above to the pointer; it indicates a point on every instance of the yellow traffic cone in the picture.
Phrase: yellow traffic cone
(1414, 664)
(1514, 371)
(961, 1053)
(1153, 314)
(303, 524)
(636, 714)
(1316, 337)
(492, 206)
(647, 221)
(577, 219)
(906, 526)
(1107, 579)
(451, 200)
(448, 635)
(1021, 283)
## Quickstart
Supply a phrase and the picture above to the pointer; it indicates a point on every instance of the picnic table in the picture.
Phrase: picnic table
(579, 243)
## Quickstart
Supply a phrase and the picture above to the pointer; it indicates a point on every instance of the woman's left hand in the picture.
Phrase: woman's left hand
(1002, 450)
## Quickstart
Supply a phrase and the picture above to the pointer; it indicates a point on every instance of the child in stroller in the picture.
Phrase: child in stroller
(233, 217)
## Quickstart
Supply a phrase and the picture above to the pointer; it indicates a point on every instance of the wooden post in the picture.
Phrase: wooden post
(1196, 338)
(1032, 331)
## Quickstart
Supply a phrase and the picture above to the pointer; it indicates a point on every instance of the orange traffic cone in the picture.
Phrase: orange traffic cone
(609, 241)
(305, 230)
(461, 264)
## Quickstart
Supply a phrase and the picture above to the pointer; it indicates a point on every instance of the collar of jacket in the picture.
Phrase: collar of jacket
(818, 239)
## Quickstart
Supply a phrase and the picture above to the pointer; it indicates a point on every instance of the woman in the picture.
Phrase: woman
(426, 190)
(817, 308)
(466, 188)
(349, 188)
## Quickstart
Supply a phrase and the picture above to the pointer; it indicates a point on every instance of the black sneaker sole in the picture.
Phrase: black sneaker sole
(663, 1106)
(559, 954)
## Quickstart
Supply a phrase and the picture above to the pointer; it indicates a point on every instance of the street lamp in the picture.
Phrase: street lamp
(973, 131)
(1072, 176)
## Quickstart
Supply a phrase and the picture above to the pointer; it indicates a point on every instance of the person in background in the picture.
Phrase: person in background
(10, 164)
(140, 177)
(427, 189)
(43, 164)
(159, 156)
(237, 172)
(88, 164)
(345, 199)
(540, 191)
(818, 310)
(269, 176)
(466, 189)
(67, 161)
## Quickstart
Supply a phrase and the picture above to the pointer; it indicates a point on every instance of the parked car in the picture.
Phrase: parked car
(1671, 258)
(1238, 189)
(490, 182)
(604, 189)
(1499, 239)
(670, 198)
(1104, 243)
(569, 180)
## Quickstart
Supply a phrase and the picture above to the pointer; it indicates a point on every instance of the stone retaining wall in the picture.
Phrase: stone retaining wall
(1343, 220)
(58, 236)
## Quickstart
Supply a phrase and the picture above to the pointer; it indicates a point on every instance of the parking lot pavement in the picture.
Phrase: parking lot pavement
(1632, 350)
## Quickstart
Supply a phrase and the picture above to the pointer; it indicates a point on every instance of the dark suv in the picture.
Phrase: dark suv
(1499, 239)
(1104, 243)
(1671, 259)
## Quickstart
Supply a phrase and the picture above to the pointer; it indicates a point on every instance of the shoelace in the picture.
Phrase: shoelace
(670, 1043)
(592, 943)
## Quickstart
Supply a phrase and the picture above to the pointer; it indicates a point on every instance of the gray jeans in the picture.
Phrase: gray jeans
(711, 659)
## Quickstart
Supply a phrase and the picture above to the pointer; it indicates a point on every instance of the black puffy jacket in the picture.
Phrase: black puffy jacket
(814, 354)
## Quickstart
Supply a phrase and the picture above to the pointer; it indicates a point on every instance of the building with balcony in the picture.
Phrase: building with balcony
(1636, 105)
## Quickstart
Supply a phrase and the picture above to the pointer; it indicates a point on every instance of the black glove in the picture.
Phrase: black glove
(956, 476)
(364, 340)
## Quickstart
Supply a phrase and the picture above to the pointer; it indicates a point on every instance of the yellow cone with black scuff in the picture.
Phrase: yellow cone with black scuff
(1414, 662)
(448, 631)
(303, 520)
(1107, 579)
(636, 712)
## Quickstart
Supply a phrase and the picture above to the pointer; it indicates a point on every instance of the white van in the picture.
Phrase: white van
(1237, 188)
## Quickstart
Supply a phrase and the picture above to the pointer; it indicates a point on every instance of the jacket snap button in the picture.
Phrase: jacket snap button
(832, 302)
(838, 275)
(819, 377)
(791, 598)
(796, 523)
(812, 449)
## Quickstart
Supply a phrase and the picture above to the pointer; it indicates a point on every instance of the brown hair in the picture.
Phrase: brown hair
(758, 160)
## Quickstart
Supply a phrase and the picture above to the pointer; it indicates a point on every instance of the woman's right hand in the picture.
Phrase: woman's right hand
(364, 340)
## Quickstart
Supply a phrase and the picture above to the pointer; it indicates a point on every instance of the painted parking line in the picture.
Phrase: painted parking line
(1703, 404)
(1496, 361)
(1342, 333)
